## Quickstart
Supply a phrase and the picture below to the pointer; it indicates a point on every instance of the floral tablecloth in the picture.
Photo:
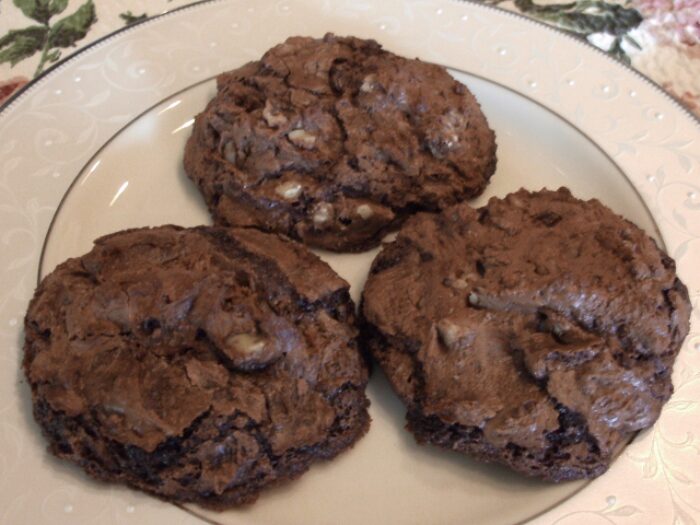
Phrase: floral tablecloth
(659, 38)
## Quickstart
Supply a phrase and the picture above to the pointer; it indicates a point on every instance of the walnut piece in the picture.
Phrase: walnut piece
(364, 211)
(322, 213)
(246, 344)
(368, 84)
(457, 283)
(289, 190)
(272, 116)
(230, 152)
(302, 138)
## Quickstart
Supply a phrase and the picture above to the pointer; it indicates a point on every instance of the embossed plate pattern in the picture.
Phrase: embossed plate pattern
(56, 129)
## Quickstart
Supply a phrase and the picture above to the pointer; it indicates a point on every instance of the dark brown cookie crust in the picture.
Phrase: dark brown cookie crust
(538, 331)
(200, 365)
(335, 142)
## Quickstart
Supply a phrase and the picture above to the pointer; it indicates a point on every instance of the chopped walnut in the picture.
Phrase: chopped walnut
(230, 152)
(272, 116)
(364, 211)
(368, 84)
(302, 138)
(289, 190)
(456, 283)
(449, 332)
(322, 213)
(246, 344)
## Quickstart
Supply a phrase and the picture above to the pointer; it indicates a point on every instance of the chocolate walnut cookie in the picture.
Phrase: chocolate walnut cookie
(335, 141)
(195, 364)
(538, 331)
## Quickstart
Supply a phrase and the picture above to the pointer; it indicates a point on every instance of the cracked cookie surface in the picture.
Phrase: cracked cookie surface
(335, 142)
(197, 364)
(538, 331)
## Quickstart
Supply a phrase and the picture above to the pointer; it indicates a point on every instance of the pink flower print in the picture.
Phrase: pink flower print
(8, 87)
(672, 22)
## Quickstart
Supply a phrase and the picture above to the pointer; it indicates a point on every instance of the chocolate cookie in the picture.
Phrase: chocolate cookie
(538, 331)
(195, 364)
(335, 141)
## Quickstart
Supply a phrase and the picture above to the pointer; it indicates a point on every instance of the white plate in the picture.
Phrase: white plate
(113, 122)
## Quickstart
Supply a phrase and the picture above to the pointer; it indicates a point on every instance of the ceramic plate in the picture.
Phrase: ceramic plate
(96, 146)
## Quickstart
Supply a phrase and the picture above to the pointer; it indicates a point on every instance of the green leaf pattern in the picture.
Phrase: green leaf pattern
(67, 31)
(57, 6)
(37, 10)
(19, 44)
(130, 18)
(585, 17)
(582, 18)
(47, 38)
